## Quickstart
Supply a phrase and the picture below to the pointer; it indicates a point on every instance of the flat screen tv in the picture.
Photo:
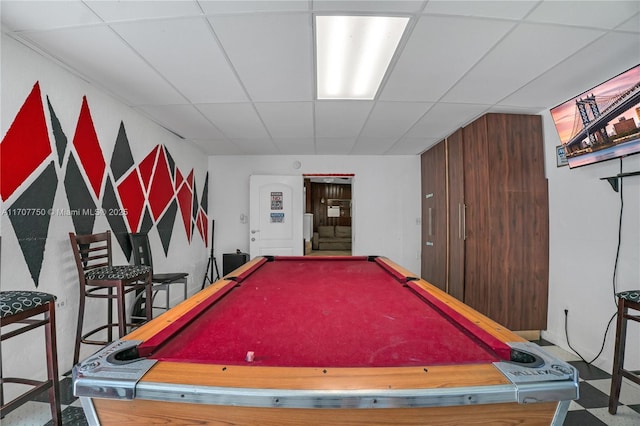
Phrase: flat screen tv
(602, 123)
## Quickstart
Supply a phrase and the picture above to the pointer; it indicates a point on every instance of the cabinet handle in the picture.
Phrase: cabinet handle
(464, 222)
(430, 222)
(459, 221)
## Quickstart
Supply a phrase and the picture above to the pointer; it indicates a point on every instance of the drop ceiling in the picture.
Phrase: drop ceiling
(237, 77)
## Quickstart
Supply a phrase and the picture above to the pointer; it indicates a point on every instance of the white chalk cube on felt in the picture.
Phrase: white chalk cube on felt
(250, 356)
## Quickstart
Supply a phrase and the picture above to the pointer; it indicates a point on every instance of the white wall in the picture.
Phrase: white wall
(385, 193)
(584, 214)
(21, 69)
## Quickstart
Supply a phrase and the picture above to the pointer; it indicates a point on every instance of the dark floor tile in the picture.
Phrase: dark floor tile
(635, 407)
(591, 397)
(542, 342)
(582, 418)
(66, 393)
(589, 372)
(72, 416)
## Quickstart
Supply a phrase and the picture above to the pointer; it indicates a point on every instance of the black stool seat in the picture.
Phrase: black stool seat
(120, 272)
(14, 302)
(630, 296)
(629, 299)
(20, 307)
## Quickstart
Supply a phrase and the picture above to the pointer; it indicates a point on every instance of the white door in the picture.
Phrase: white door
(275, 215)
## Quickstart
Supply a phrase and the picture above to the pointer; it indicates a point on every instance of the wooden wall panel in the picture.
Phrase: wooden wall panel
(321, 193)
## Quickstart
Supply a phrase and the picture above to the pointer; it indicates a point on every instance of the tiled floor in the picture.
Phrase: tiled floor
(590, 410)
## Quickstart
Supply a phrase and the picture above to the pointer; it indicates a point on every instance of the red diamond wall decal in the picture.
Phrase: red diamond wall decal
(88, 148)
(146, 168)
(179, 178)
(26, 144)
(184, 200)
(161, 191)
(190, 180)
(202, 226)
(132, 199)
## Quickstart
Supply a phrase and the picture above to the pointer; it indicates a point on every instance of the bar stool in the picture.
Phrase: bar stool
(626, 300)
(20, 307)
(98, 279)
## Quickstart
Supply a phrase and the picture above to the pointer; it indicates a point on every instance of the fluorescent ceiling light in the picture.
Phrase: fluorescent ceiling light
(353, 54)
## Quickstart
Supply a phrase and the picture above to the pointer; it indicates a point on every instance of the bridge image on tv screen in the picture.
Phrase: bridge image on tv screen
(602, 123)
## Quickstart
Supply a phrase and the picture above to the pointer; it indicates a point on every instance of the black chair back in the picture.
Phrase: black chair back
(141, 249)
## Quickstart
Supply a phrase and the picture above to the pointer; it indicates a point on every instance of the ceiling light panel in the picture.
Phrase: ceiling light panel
(353, 54)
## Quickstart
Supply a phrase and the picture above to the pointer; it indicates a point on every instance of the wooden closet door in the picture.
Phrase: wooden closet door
(434, 216)
(478, 246)
(455, 175)
(518, 221)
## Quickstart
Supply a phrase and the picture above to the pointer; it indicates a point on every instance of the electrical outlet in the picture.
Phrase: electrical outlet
(60, 304)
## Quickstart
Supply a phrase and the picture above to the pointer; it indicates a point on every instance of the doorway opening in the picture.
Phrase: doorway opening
(328, 226)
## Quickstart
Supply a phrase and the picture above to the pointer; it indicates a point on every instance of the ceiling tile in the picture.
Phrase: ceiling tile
(427, 67)
(334, 146)
(218, 146)
(397, 6)
(271, 53)
(186, 53)
(144, 9)
(617, 52)
(444, 119)
(297, 146)
(44, 15)
(393, 119)
(412, 146)
(256, 146)
(488, 9)
(287, 119)
(372, 146)
(91, 52)
(235, 120)
(533, 50)
(632, 24)
(235, 6)
(185, 120)
(237, 78)
(585, 13)
(336, 119)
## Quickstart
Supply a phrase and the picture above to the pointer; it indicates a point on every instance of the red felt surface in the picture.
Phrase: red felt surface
(324, 313)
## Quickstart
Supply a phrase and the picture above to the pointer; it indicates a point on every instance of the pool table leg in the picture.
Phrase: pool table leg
(89, 411)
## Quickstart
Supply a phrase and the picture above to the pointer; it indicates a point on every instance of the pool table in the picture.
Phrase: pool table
(323, 340)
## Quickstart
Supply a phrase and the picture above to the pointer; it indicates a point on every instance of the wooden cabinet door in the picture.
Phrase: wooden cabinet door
(434, 216)
(478, 249)
(455, 177)
(518, 221)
